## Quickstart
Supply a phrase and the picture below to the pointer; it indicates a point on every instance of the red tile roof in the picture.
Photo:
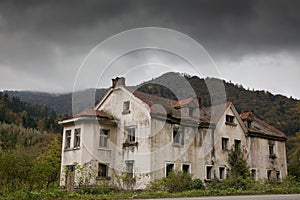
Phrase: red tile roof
(178, 104)
(94, 113)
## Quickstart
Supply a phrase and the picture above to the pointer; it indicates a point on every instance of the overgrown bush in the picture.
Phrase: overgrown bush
(176, 181)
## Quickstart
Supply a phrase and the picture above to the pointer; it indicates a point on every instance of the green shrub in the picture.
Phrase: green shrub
(197, 184)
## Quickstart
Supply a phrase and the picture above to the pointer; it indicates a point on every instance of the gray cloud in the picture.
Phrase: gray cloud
(47, 40)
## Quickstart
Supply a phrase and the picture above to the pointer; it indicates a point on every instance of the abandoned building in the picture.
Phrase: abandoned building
(147, 137)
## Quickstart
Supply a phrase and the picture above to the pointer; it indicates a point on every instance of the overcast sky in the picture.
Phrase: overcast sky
(253, 43)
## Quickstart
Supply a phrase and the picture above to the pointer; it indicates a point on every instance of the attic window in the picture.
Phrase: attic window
(178, 136)
(126, 105)
(230, 120)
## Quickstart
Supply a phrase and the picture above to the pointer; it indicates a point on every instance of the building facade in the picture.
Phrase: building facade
(146, 137)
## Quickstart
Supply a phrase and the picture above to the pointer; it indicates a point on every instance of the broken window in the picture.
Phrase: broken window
(229, 119)
(130, 135)
(222, 173)
(269, 172)
(225, 144)
(126, 106)
(237, 144)
(271, 150)
(178, 136)
(102, 170)
(209, 170)
(68, 139)
(103, 139)
(186, 168)
(77, 138)
(169, 168)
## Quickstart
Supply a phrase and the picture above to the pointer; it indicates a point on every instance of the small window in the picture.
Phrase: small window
(229, 119)
(222, 174)
(209, 170)
(130, 135)
(225, 144)
(186, 168)
(253, 174)
(102, 170)
(278, 176)
(77, 138)
(129, 168)
(178, 136)
(237, 144)
(126, 106)
(269, 172)
(169, 168)
(191, 111)
(103, 139)
(68, 139)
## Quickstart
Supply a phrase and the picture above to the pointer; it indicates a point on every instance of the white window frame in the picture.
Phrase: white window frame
(280, 177)
(103, 137)
(77, 134)
(68, 139)
(128, 134)
(126, 107)
(126, 166)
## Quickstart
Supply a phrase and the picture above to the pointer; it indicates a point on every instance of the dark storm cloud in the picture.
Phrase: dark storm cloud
(49, 39)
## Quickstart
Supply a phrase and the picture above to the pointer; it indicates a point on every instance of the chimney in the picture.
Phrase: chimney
(118, 81)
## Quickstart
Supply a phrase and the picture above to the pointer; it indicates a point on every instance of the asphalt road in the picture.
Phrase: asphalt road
(252, 197)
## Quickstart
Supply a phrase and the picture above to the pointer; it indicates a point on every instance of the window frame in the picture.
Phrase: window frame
(189, 167)
(223, 172)
(210, 177)
(126, 107)
(131, 138)
(131, 172)
(278, 177)
(225, 147)
(237, 143)
(167, 172)
(269, 174)
(230, 120)
(77, 138)
(253, 175)
(100, 173)
(68, 139)
(178, 136)
(104, 138)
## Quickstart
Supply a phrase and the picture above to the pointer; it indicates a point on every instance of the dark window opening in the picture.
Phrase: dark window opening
(130, 134)
(169, 168)
(186, 168)
(230, 119)
(278, 176)
(208, 172)
(222, 173)
(178, 136)
(253, 174)
(102, 170)
(237, 144)
(68, 139)
(225, 144)
(77, 137)
(269, 172)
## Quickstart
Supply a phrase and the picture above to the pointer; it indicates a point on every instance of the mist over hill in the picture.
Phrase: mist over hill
(277, 110)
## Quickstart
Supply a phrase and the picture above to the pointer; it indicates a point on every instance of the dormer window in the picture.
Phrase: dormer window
(126, 106)
(230, 120)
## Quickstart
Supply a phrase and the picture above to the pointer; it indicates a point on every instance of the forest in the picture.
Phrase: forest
(30, 137)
